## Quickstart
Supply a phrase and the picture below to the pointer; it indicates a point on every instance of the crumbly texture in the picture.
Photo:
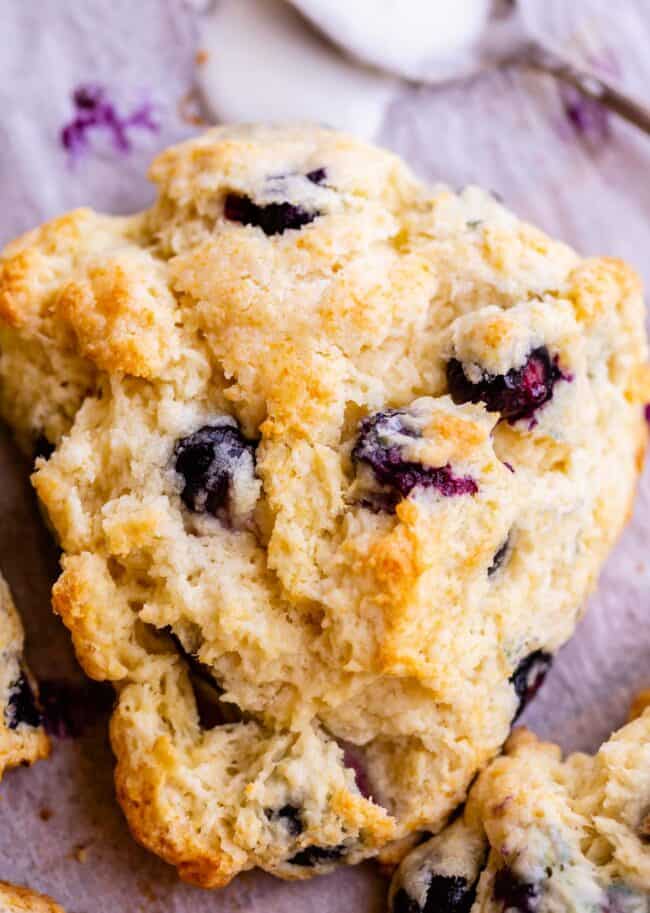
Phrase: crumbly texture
(336, 453)
(16, 899)
(22, 738)
(543, 835)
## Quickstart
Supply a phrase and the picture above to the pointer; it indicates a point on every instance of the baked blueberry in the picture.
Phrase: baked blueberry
(212, 461)
(272, 218)
(517, 896)
(445, 894)
(290, 817)
(315, 855)
(317, 176)
(529, 676)
(518, 394)
(379, 448)
(22, 706)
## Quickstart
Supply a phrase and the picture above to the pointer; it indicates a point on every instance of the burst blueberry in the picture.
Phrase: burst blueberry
(290, 817)
(22, 707)
(315, 855)
(378, 448)
(317, 176)
(272, 218)
(529, 676)
(516, 895)
(518, 394)
(209, 460)
(445, 894)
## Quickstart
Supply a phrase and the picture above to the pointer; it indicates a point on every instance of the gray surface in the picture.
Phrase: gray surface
(505, 131)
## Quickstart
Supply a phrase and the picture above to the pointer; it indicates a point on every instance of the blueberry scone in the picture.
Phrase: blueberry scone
(334, 459)
(543, 835)
(16, 899)
(22, 738)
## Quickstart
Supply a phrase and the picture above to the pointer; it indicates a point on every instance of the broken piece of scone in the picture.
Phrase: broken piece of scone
(337, 458)
(17, 899)
(543, 835)
(22, 737)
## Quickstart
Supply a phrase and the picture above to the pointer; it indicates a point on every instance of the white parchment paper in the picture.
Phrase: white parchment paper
(60, 828)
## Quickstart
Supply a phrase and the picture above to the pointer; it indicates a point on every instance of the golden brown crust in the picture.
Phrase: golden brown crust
(17, 899)
(339, 618)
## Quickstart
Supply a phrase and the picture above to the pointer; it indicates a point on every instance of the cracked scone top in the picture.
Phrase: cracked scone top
(22, 738)
(543, 835)
(337, 459)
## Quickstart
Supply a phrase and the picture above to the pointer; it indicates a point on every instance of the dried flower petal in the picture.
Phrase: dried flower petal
(95, 111)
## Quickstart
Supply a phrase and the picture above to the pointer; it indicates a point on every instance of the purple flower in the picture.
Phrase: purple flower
(588, 117)
(95, 111)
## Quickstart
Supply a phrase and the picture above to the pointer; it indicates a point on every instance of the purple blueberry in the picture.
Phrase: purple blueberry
(445, 894)
(290, 816)
(517, 896)
(398, 476)
(22, 707)
(518, 394)
(529, 676)
(315, 855)
(272, 218)
(208, 461)
(317, 176)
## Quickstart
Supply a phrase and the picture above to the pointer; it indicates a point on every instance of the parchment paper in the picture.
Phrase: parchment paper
(60, 828)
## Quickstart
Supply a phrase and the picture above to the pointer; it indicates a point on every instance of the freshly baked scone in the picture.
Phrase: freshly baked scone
(16, 899)
(22, 738)
(543, 835)
(337, 459)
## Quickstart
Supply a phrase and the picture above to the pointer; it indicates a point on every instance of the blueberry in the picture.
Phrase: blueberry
(515, 395)
(499, 557)
(445, 894)
(314, 855)
(208, 460)
(391, 470)
(272, 218)
(517, 896)
(317, 176)
(528, 677)
(22, 707)
(290, 816)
